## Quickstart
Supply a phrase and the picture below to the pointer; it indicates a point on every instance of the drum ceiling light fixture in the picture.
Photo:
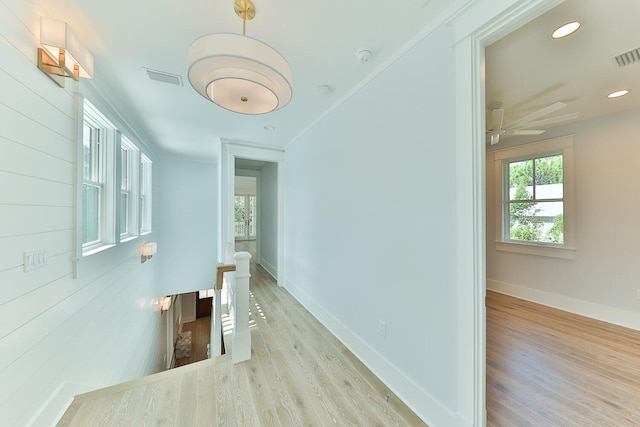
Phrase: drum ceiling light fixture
(240, 73)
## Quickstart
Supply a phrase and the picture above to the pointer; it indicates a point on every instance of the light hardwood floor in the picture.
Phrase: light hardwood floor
(299, 375)
(546, 367)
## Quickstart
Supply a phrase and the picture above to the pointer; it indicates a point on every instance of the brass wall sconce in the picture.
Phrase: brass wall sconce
(62, 55)
(148, 250)
(165, 304)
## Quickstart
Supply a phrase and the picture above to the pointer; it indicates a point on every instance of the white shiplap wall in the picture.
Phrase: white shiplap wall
(58, 334)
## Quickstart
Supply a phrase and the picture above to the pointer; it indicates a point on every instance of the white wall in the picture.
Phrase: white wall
(188, 307)
(189, 225)
(371, 221)
(602, 280)
(57, 332)
(269, 218)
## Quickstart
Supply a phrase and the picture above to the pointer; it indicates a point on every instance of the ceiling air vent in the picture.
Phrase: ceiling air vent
(628, 58)
(161, 76)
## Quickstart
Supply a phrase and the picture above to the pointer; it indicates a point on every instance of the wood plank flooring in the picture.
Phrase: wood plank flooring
(546, 367)
(299, 375)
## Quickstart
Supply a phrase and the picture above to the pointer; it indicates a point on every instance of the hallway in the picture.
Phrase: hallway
(299, 374)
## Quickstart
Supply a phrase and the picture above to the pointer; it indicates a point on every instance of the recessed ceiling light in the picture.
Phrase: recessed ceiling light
(618, 94)
(565, 30)
(270, 128)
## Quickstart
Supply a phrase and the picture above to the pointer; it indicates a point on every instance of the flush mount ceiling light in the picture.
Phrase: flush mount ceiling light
(618, 94)
(240, 73)
(565, 30)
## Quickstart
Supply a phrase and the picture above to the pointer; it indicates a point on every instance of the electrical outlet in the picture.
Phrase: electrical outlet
(382, 328)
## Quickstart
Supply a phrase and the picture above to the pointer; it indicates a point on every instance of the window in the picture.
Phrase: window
(98, 165)
(145, 194)
(128, 189)
(92, 183)
(533, 183)
(535, 201)
(111, 183)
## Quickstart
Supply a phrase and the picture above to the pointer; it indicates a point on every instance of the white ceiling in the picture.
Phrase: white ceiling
(528, 70)
(319, 39)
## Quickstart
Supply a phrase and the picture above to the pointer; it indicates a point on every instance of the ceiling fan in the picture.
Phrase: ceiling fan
(529, 121)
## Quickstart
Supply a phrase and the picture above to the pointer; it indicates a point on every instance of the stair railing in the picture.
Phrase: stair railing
(237, 293)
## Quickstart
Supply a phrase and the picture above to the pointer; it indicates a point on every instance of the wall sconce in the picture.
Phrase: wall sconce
(62, 55)
(147, 251)
(165, 304)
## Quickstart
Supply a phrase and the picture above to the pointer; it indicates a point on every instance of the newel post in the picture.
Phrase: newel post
(241, 348)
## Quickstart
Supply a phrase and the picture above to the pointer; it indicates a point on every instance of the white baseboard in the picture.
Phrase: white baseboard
(616, 316)
(424, 405)
(273, 271)
(58, 403)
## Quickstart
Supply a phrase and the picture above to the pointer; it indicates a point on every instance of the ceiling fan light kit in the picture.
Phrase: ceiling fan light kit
(240, 73)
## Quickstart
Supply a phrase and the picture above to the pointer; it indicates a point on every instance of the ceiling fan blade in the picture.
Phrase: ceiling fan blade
(540, 113)
(526, 132)
(544, 122)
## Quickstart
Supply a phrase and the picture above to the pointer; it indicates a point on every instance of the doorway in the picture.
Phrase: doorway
(245, 216)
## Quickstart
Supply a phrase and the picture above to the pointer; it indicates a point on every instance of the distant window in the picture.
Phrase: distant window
(145, 204)
(534, 203)
(534, 185)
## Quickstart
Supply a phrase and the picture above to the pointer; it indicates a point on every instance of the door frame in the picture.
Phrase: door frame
(482, 23)
(229, 151)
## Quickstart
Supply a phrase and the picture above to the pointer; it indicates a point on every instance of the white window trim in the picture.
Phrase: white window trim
(98, 182)
(148, 196)
(132, 189)
(562, 145)
(108, 135)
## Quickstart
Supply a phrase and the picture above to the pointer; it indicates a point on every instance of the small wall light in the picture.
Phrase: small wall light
(165, 304)
(148, 250)
(62, 55)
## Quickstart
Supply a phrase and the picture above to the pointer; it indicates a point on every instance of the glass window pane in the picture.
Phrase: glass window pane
(90, 213)
(124, 157)
(253, 215)
(124, 208)
(549, 170)
(145, 193)
(87, 154)
(537, 222)
(521, 180)
(239, 216)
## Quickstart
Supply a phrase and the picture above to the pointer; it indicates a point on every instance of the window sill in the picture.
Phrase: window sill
(124, 239)
(539, 250)
(95, 249)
